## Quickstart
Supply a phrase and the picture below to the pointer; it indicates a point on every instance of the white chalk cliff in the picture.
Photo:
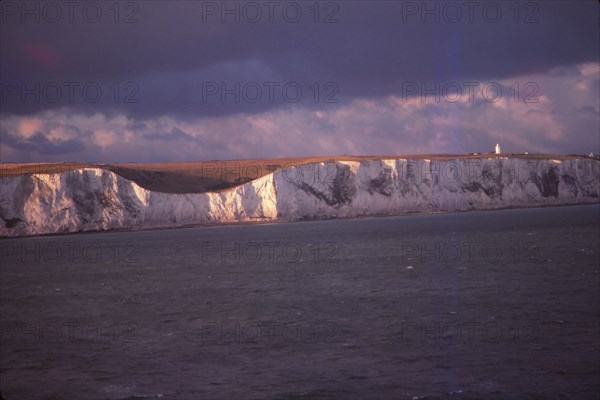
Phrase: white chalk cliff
(97, 199)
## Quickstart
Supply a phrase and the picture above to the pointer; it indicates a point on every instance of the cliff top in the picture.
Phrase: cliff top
(215, 175)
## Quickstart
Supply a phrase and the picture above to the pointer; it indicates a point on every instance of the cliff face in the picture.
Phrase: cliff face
(96, 199)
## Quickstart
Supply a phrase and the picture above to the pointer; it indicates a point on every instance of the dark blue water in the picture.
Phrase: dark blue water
(480, 305)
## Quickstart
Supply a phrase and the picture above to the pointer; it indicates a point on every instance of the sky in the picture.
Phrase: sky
(167, 81)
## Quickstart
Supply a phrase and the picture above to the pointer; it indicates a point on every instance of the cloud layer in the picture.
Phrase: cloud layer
(162, 81)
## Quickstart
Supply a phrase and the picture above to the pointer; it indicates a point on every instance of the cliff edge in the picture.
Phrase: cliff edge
(97, 199)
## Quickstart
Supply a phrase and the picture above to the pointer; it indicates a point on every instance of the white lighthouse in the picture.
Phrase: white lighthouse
(498, 151)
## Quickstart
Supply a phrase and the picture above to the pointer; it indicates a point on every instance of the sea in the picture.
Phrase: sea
(477, 305)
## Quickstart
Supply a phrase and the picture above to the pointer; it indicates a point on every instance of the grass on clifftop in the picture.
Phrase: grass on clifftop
(211, 176)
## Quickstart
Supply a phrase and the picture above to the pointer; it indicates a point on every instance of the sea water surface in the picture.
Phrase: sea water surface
(479, 305)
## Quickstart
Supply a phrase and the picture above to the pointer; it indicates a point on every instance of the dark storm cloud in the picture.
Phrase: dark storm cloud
(167, 61)
(40, 144)
(175, 135)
